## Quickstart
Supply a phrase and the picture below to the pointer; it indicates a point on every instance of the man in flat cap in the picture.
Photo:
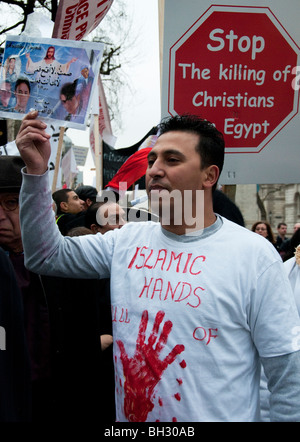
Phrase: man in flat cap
(32, 292)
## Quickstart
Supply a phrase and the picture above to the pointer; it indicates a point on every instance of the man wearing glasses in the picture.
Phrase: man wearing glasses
(10, 183)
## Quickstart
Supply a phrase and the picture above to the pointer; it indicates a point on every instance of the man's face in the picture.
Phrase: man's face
(74, 204)
(12, 63)
(296, 227)
(50, 53)
(282, 230)
(10, 231)
(22, 94)
(69, 104)
(5, 93)
(85, 72)
(110, 216)
(174, 165)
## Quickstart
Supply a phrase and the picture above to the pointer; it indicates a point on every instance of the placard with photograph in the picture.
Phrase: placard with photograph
(55, 77)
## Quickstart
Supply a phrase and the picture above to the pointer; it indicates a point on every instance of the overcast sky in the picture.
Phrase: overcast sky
(141, 111)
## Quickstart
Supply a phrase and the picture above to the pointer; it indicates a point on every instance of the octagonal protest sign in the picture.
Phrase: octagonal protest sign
(234, 66)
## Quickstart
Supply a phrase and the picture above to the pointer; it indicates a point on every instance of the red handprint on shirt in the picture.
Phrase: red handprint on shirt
(144, 370)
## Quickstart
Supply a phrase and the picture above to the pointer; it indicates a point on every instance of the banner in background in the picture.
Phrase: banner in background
(100, 109)
(51, 76)
(69, 167)
(105, 129)
(75, 19)
(132, 170)
(9, 148)
(80, 154)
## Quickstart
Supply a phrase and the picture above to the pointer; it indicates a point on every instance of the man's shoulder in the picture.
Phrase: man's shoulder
(229, 225)
(66, 221)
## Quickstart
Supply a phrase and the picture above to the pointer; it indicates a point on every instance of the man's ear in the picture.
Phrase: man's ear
(95, 228)
(64, 206)
(211, 176)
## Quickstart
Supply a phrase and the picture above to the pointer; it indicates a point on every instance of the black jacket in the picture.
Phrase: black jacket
(83, 375)
(67, 221)
(15, 384)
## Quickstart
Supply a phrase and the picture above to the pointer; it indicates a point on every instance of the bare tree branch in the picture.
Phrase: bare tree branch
(4, 31)
(15, 2)
(261, 207)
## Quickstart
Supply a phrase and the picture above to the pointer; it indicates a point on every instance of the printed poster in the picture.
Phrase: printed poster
(55, 77)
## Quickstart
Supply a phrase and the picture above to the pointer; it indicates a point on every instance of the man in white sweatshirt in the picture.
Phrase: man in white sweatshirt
(197, 301)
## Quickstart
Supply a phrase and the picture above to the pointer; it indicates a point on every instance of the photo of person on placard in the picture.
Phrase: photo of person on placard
(48, 68)
(84, 85)
(22, 94)
(71, 107)
(12, 67)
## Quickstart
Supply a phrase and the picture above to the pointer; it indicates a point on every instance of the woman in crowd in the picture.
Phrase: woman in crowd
(264, 229)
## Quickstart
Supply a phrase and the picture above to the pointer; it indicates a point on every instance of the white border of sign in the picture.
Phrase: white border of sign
(279, 163)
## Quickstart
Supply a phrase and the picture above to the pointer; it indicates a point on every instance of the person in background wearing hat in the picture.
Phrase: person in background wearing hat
(34, 303)
(69, 210)
(88, 194)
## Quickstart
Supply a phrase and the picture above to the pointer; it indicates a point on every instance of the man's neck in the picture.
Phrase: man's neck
(184, 229)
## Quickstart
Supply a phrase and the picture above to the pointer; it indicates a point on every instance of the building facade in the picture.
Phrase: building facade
(274, 203)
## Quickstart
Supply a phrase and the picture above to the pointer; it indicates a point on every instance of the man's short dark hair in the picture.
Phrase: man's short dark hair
(211, 146)
(91, 215)
(20, 81)
(281, 224)
(60, 196)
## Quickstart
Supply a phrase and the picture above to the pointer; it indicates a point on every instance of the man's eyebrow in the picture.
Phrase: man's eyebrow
(151, 154)
(167, 152)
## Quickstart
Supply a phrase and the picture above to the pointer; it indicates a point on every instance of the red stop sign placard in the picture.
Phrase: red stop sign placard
(234, 67)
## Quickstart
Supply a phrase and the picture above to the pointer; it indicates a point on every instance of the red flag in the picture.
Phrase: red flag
(132, 170)
(75, 19)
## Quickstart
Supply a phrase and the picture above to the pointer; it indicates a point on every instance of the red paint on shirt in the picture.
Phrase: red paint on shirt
(144, 370)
